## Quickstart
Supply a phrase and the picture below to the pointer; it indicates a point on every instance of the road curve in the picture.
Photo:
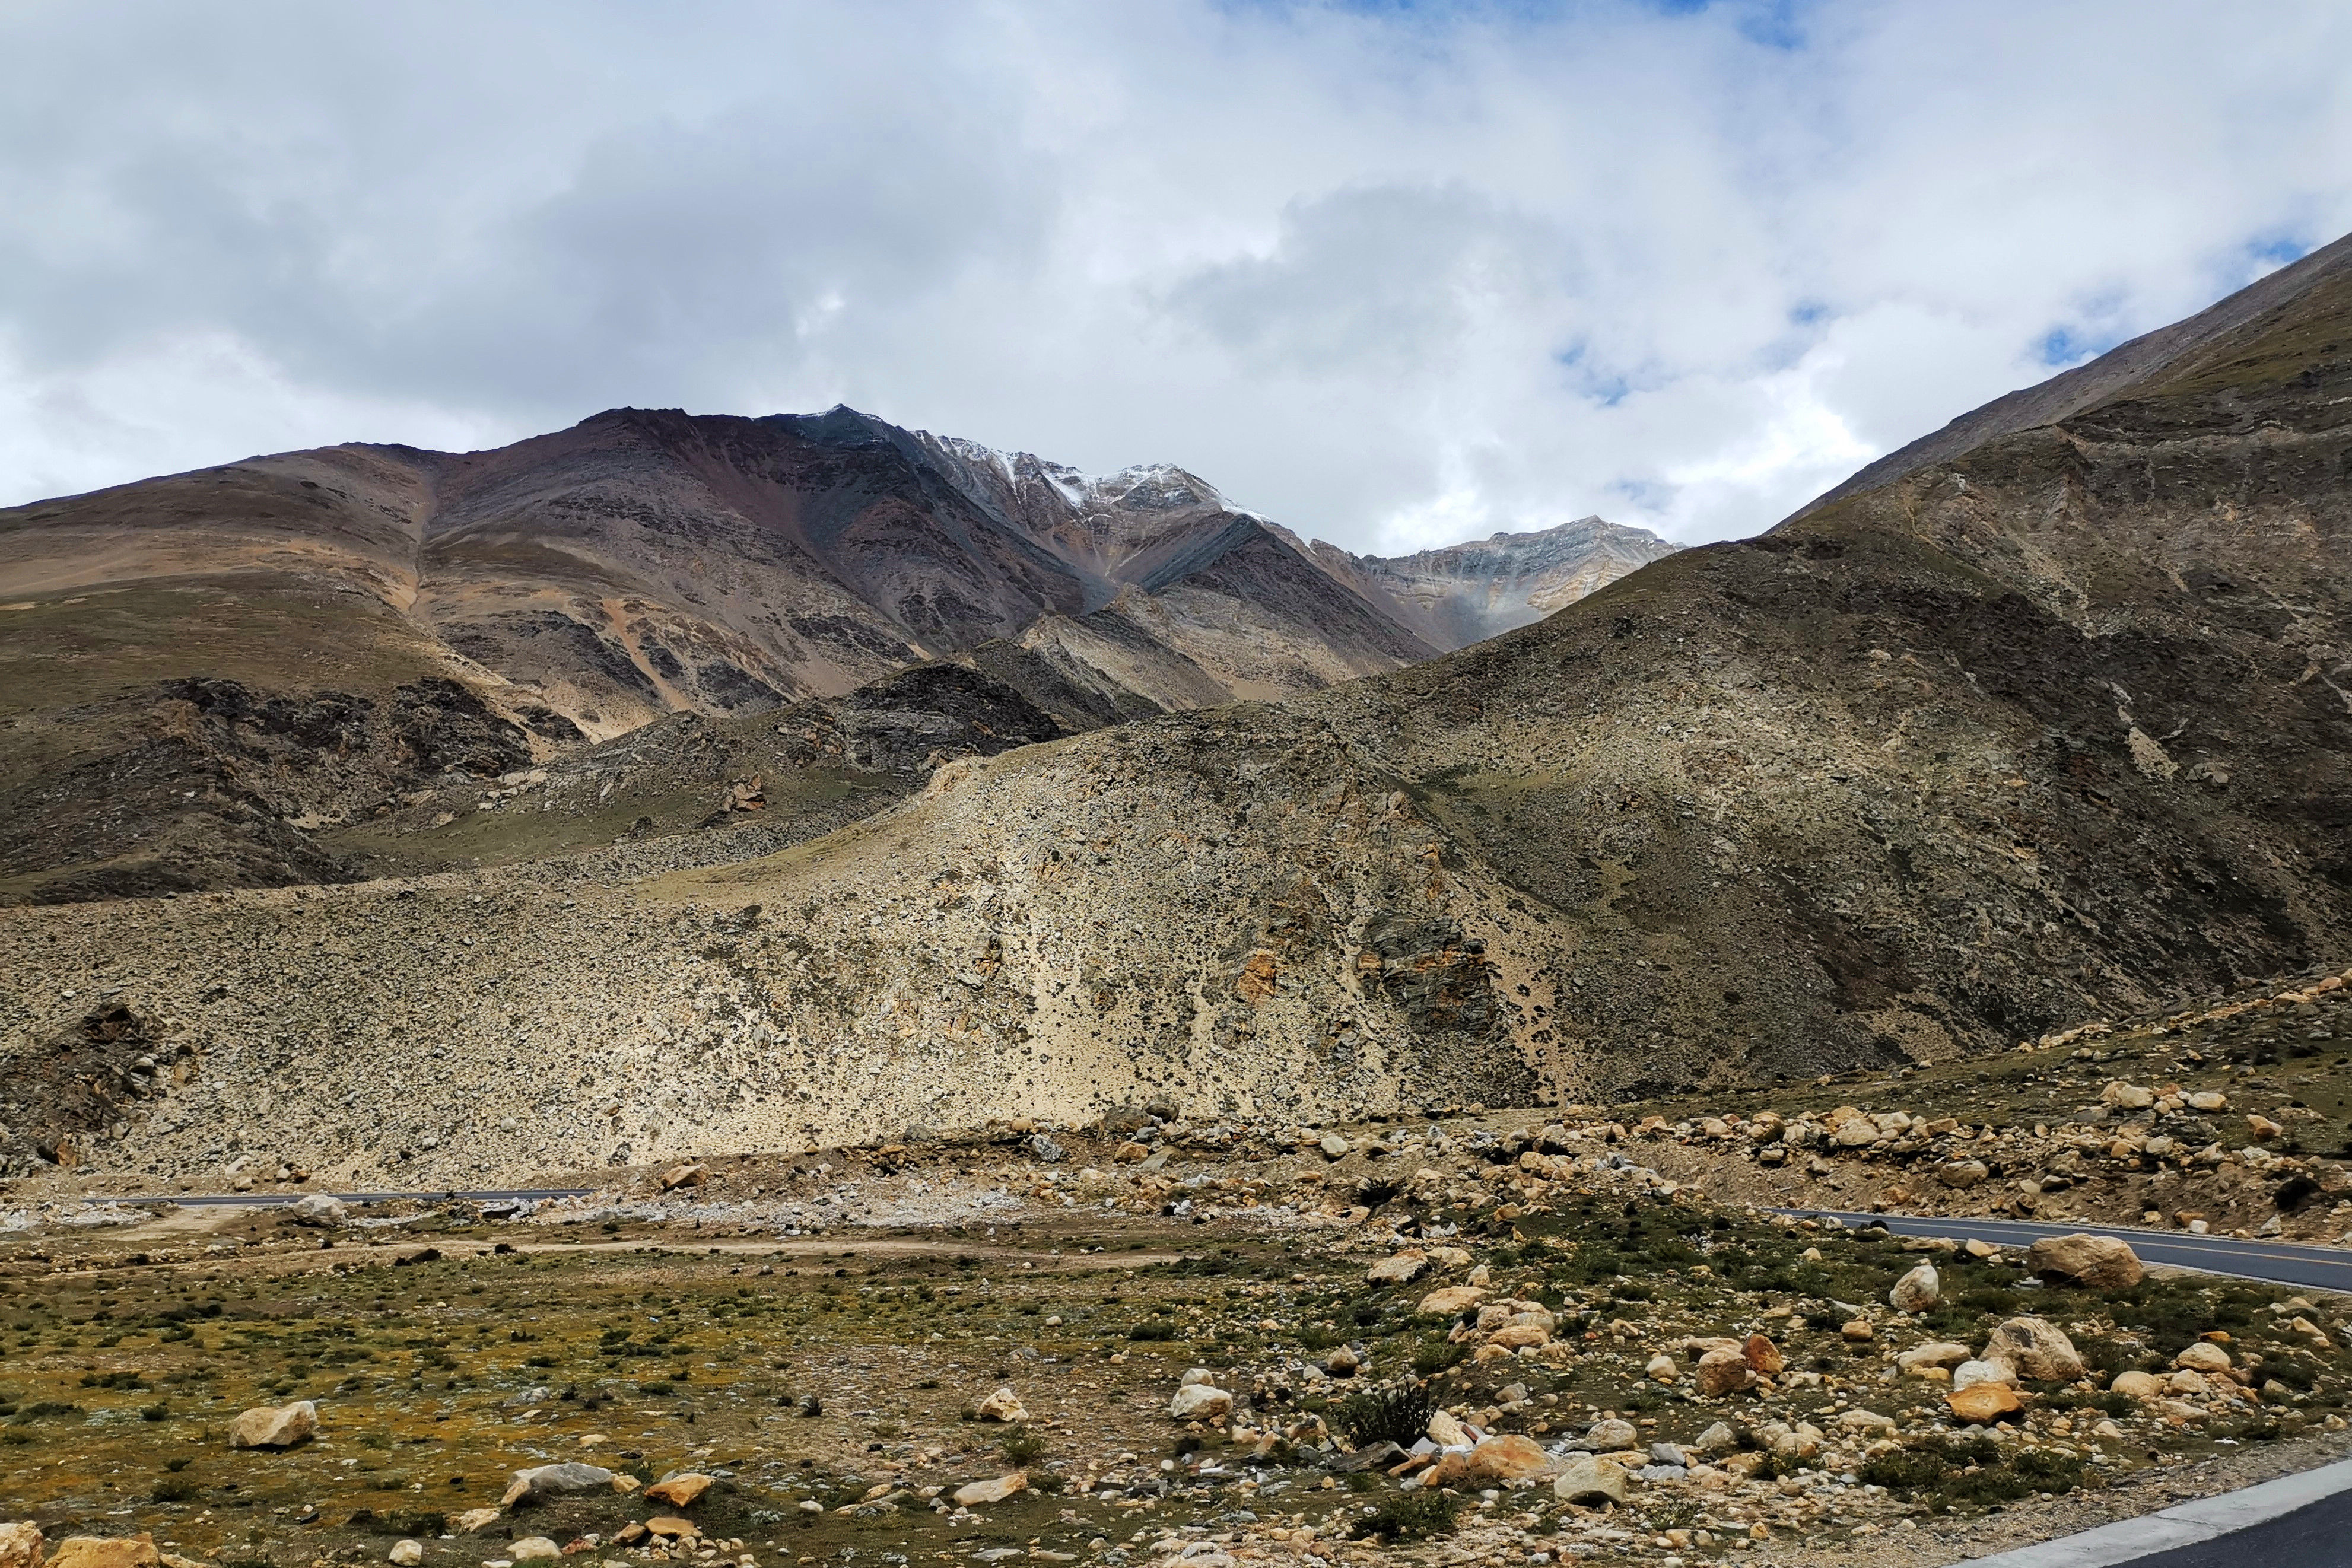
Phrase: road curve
(2273, 1262)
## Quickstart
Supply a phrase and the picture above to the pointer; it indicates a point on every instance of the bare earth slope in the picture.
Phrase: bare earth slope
(2051, 728)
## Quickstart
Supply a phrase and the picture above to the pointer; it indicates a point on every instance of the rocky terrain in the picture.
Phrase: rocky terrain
(1162, 1342)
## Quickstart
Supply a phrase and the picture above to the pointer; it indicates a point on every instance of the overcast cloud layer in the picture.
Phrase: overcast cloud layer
(1394, 275)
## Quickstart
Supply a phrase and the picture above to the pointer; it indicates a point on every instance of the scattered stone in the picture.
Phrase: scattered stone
(474, 1519)
(2203, 1357)
(1343, 1362)
(531, 1548)
(1859, 1332)
(544, 1481)
(2094, 1262)
(1497, 1461)
(1450, 1300)
(1763, 1357)
(1984, 1402)
(1401, 1268)
(1717, 1439)
(321, 1212)
(1962, 1173)
(20, 1545)
(1722, 1372)
(1663, 1369)
(2036, 1348)
(2138, 1384)
(405, 1553)
(683, 1176)
(1969, 1373)
(1611, 1436)
(1935, 1354)
(279, 1428)
(1584, 1479)
(107, 1552)
(1918, 1291)
(974, 1493)
(1001, 1406)
(1333, 1145)
(2209, 1100)
(1377, 1455)
(1196, 1402)
(678, 1490)
(669, 1527)
(1445, 1431)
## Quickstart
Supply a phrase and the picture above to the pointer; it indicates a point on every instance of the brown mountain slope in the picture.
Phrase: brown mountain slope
(2051, 727)
(572, 588)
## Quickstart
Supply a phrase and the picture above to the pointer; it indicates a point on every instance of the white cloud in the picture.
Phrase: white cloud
(1391, 276)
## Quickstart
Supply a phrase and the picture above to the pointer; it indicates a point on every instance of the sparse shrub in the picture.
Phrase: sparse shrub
(1023, 1447)
(1398, 1416)
(1414, 1515)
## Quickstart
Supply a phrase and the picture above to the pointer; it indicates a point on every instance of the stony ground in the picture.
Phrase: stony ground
(819, 1336)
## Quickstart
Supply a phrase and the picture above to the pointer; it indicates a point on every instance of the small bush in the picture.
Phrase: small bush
(1398, 1416)
(1152, 1329)
(1408, 1516)
(1022, 1449)
(1433, 1356)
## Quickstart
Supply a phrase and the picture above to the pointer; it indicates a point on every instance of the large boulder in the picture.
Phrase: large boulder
(279, 1428)
(1611, 1435)
(107, 1552)
(1201, 1402)
(1724, 1372)
(545, 1481)
(2094, 1262)
(1497, 1461)
(321, 1210)
(2203, 1357)
(1969, 1373)
(1936, 1353)
(2037, 1348)
(1001, 1406)
(1918, 1291)
(974, 1493)
(1984, 1402)
(1450, 1300)
(1401, 1268)
(1500, 1460)
(20, 1545)
(1584, 1479)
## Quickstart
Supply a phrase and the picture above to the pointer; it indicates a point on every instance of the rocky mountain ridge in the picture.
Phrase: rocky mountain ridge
(2049, 730)
(327, 609)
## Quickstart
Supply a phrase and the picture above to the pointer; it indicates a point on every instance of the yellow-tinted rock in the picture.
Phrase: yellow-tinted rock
(107, 1552)
(1984, 1402)
(678, 1490)
(1449, 1301)
(978, 1492)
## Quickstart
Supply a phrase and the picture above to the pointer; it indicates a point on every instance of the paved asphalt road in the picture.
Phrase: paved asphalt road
(2318, 1536)
(264, 1200)
(2278, 1262)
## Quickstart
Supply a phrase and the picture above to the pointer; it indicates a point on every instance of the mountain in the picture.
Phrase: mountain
(1466, 593)
(212, 678)
(2049, 723)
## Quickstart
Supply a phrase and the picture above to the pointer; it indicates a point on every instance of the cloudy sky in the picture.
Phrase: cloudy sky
(1393, 273)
